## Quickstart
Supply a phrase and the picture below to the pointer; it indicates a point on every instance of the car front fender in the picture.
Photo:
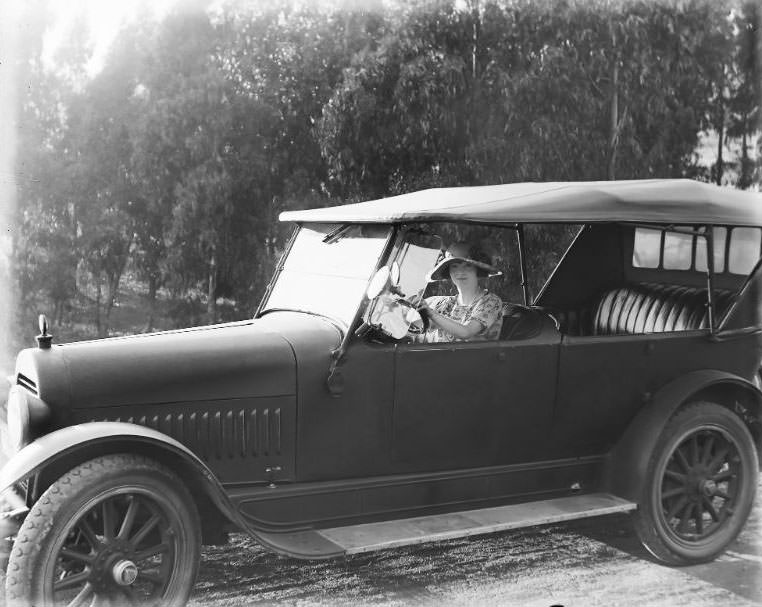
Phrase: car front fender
(627, 462)
(73, 445)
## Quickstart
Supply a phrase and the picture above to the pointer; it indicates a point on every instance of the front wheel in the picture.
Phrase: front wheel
(117, 530)
(700, 485)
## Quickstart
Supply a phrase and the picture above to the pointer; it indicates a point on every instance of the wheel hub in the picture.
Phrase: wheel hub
(124, 572)
(699, 484)
(112, 565)
(708, 487)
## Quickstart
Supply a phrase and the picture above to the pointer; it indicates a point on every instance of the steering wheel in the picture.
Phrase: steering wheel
(415, 328)
(394, 319)
(523, 322)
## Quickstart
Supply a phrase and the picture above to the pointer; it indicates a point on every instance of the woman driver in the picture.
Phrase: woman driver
(474, 313)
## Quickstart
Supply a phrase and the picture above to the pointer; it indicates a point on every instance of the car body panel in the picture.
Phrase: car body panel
(299, 422)
(102, 437)
(227, 391)
(349, 501)
(474, 404)
(606, 380)
(221, 362)
(627, 462)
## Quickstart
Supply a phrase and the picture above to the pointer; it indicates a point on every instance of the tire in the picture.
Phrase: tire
(700, 485)
(117, 530)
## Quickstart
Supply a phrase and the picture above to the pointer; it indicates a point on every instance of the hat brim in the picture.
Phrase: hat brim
(440, 271)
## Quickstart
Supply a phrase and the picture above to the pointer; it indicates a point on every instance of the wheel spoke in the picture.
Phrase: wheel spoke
(101, 600)
(89, 534)
(719, 459)
(721, 493)
(685, 518)
(145, 529)
(152, 551)
(675, 476)
(694, 450)
(71, 580)
(109, 519)
(710, 508)
(76, 556)
(724, 475)
(676, 507)
(699, 511)
(708, 445)
(129, 519)
(680, 457)
(155, 578)
(82, 596)
(672, 493)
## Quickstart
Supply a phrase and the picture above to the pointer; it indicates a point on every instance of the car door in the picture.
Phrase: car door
(472, 404)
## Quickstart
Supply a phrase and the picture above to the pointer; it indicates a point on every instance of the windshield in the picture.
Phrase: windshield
(327, 269)
(418, 255)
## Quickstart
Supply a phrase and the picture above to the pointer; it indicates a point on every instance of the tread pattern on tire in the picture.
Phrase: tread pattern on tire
(646, 528)
(40, 519)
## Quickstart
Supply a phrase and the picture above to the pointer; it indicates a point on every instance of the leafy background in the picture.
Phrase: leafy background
(148, 193)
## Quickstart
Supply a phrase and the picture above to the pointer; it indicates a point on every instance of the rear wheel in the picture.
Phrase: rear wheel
(117, 530)
(700, 486)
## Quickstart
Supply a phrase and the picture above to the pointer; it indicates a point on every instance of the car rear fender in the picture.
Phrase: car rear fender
(50, 456)
(627, 462)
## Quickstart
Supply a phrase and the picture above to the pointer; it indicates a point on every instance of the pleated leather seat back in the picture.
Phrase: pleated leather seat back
(643, 308)
(653, 308)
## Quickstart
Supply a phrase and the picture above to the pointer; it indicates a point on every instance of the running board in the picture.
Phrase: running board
(367, 537)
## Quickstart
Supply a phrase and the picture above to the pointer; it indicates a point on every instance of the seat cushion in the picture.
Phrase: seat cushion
(652, 308)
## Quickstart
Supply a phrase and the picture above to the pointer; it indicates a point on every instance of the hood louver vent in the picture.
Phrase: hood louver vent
(23, 381)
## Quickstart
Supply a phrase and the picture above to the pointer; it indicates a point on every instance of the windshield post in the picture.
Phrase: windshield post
(709, 236)
(278, 269)
(334, 381)
(523, 264)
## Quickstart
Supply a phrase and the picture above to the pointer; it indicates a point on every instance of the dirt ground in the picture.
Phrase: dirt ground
(587, 564)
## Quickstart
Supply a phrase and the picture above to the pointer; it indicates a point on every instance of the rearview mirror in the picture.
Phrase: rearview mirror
(385, 276)
(378, 283)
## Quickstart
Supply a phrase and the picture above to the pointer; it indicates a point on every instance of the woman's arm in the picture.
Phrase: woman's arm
(453, 327)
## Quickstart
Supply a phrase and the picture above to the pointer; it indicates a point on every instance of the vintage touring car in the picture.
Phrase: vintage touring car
(323, 427)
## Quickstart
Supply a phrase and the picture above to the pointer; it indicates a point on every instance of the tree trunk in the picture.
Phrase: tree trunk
(614, 109)
(474, 37)
(720, 138)
(153, 287)
(98, 293)
(111, 294)
(211, 300)
(744, 180)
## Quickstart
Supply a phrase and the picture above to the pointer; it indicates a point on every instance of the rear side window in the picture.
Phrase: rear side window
(678, 250)
(736, 250)
(744, 250)
(720, 239)
(647, 250)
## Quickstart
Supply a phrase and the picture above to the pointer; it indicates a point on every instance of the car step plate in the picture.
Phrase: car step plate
(367, 537)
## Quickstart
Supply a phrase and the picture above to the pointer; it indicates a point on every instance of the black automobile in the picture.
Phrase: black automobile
(624, 380)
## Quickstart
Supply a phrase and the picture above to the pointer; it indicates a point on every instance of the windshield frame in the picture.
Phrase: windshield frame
(341, 323)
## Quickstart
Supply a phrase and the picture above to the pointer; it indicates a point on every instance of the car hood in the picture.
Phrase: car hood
(235, 360)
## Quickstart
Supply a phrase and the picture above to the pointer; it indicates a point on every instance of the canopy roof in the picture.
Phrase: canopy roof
(663, 201)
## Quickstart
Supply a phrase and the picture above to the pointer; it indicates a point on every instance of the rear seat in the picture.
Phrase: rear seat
(642, 308)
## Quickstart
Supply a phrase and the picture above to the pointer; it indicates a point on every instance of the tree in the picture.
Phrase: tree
(746, 95)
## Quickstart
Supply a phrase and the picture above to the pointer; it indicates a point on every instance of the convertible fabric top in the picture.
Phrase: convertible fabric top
(662, 201)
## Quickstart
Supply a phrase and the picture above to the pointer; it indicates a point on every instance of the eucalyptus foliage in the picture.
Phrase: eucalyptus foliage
(172, 163)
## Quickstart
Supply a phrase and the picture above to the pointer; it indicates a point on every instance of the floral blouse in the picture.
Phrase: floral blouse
(487, 309)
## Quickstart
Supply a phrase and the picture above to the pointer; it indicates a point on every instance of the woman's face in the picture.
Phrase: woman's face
(462, 273)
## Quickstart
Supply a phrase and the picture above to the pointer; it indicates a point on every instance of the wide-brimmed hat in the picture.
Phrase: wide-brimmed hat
(471, 254)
